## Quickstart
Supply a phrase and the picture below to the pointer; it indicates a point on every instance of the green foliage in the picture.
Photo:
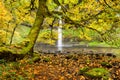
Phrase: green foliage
(10, 70)
(98, 21)
(94, 19)
(100, 44)
(19, 36)
(2, 37)
(2, 61)
(19, 11)
(71, 34)
(51, 5)
(4, 17)
(4, 21)
(47, 37)
(77, 34)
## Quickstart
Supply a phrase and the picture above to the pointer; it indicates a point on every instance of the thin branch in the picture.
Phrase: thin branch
(13, 34)
(107, 4)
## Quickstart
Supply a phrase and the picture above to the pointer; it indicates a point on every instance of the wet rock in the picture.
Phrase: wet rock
(69, 56)
(109, 54)
(58, 51)
(97, 56)
(114, 56)
(114, 64)
(106, 64)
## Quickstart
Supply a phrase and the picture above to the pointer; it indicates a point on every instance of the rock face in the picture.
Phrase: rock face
(98, 73)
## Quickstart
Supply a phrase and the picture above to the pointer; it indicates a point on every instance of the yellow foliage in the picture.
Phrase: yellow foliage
(85, 37)
(5, 16)
(73, 1)
(46, 37)
(49, 20)
(2, 36)
(85, 13)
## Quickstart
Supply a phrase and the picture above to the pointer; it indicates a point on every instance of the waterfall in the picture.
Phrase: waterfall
(59, 44)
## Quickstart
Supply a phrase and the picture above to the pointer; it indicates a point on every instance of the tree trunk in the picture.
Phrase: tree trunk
(27, 45)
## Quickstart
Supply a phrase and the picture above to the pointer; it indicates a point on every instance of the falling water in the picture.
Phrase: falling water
(59, 45)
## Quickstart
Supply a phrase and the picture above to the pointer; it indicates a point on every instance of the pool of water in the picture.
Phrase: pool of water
(75, 48)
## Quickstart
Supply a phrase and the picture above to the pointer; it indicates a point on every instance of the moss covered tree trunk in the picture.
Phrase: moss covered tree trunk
(27, 45)
(34, 32)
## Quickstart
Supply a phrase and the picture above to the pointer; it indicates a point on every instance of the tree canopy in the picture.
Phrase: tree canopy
(101, 17)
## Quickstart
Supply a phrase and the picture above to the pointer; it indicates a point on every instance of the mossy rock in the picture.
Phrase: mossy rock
(36, 59)
(46, 59)
(98, 73)
(83, 70)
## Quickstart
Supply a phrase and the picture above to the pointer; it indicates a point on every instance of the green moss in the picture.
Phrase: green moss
(36, 59)
(46, 59)
(83, 70)
(98, 73)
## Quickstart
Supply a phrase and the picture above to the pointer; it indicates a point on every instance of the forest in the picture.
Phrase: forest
(59, 40)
